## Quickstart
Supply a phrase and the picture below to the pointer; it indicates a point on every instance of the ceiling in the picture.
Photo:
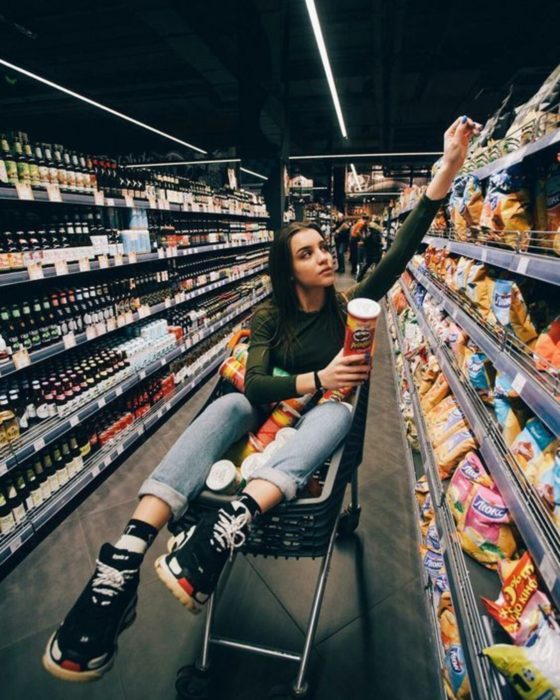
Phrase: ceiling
(244, 76)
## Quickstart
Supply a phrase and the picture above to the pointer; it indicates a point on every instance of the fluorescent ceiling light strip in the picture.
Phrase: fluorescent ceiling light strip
(252, 172)
(350, 156)
(83, 98)
(184, 162)
(355, 174)
(314, 17)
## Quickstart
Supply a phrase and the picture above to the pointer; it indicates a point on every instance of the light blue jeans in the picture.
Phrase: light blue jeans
(181, 475)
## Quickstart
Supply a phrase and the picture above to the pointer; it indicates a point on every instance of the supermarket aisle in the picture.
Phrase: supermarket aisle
(372, 626)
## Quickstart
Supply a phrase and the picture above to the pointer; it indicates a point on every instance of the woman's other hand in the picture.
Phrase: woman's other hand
(344, 370)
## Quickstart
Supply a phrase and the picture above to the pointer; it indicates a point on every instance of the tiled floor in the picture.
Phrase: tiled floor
(372, 639)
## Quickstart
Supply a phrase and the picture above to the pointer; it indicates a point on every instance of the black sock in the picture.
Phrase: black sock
(137, 536)
(249, 503)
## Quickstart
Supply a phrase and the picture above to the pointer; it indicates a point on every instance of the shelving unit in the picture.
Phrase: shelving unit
(540, 534)
(53, 429)
(541, 267)
(106, 457)
(474, 632)
(81, 338)
(540, 392)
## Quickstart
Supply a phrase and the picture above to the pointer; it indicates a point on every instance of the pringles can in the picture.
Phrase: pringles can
(361, 322)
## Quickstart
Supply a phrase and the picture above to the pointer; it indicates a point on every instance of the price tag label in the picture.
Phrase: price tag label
(518, 383)
(168, 303)
(142, 374)
(101, 402)
(120, 449)
(15, 544)
(95, 471)
(118, 391)
(110, 202)
(35, 271)
(39, 444)
(53, 193)
(3, 468)
(61, 267)
(99, 199)
(162, 362)
(91, 332)
(103, 261)
(21, 358)
(69, 340)
(523, 264)
(161, 253)
(144, 311)
(118, 259)
(132, 258)
(128, 201)
(84, 265)
(546, 569)
(74, 420)
(484, 255)
(24, 192)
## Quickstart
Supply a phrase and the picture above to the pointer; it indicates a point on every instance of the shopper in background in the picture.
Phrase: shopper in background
(341, 239)
(356, 236)
(301, 331)
(372, 245)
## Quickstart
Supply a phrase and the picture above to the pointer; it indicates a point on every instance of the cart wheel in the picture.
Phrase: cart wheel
(349, 521)
(285, 691)
(192, 683)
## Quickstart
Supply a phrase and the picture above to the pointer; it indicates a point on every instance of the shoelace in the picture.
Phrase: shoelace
(109, 581)
(228, 530)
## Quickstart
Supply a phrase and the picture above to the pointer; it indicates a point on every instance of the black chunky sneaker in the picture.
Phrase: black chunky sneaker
(192, 568)
(83, 648)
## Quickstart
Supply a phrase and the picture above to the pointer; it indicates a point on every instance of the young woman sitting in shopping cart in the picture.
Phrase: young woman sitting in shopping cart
(300, 330)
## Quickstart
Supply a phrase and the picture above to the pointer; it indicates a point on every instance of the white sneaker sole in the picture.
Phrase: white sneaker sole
(170, 581)
(50, 665)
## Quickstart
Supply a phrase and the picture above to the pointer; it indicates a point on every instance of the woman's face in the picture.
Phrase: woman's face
(311, 260)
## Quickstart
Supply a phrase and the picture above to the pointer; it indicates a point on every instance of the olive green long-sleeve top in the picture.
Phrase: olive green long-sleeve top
(315, 345)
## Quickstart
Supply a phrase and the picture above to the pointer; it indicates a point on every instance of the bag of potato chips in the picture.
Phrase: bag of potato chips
(484, 530)
(455, 678)
(531, 442)
(506, 213)
(544, 472)
(510, 311)
(446, 426)
(520, 608)
(438, 391)
(534, 672)
(452, 450)
(470, 472)
(547, 348)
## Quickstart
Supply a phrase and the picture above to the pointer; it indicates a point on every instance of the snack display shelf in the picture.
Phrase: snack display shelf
(99, 199)
(53, 429)
(540, 534)
(474, 632)
(49, 271)
(541, 267)
(540, 393)
(412, 477)
(99, 463)
(10, 366)
(516, 156)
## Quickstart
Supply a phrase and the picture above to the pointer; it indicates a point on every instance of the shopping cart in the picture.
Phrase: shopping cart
(304, 527)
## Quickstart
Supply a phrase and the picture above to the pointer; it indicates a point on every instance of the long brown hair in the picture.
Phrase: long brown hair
(280, 268)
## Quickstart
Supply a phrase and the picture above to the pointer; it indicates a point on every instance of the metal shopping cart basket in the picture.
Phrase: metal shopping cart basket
(304, 527)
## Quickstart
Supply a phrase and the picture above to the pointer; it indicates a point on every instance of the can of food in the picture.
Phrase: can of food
(251, 464)
(361, 322)
(234, 372)
(223, 477)
(285, 434)
(240, 352)
(283, 416)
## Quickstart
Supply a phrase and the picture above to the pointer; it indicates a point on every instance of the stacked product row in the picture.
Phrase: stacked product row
(482, 524)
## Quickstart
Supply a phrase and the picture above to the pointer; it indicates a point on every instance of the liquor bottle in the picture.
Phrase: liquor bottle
(42, 478)
(7, 522)
(35, 491)
(23, 491)
(15, 501)
(59, 465)
(77, 458)
(50, 472)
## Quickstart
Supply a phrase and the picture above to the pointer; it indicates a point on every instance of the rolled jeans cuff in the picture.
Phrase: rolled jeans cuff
(280, 479)
(175, 500)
